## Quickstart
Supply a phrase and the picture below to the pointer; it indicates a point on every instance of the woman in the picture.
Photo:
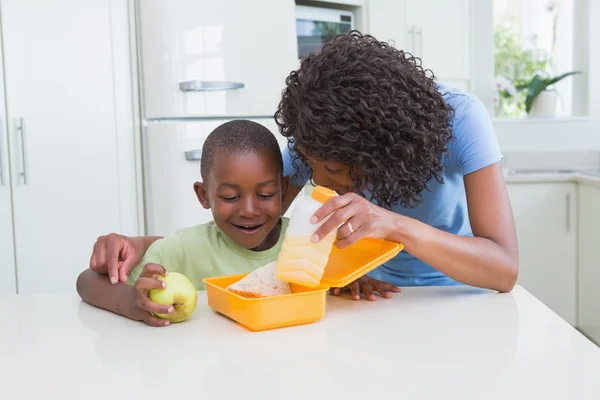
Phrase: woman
(414, 162)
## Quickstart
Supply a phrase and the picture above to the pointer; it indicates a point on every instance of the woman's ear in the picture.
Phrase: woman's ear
(202, 194)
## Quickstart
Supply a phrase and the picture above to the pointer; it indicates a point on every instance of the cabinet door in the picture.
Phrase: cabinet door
(211, 47)
(387, 22)
(8, 283)
(440, 36)
(64, 122)
(172, 166)
(588, 319)
(545, 219)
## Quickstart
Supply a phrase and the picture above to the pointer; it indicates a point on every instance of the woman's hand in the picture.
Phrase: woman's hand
(368, 286)
(360, 217)
(116, 255)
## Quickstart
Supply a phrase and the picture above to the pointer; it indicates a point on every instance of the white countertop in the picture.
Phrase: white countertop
(588, 178)
(426, 343)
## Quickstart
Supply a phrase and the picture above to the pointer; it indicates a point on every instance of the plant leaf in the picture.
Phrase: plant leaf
(538, 85)
(558, 78)
(535, 87)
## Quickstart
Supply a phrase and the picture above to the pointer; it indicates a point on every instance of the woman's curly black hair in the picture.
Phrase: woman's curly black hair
(363, 103)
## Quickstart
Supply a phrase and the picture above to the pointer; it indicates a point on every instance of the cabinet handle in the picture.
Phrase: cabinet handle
(568, 205)
(1, 153)
(411, 32)
(418, 32)
(209, 86)
(193, 155)
(21, 128)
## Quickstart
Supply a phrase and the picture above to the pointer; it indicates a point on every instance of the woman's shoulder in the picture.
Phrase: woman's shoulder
(474, 143)
(462, 102)
(470, 114)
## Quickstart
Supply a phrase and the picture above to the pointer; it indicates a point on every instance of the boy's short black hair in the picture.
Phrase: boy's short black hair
(239, 137)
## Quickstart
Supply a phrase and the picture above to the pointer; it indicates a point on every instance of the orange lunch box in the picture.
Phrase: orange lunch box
(304, 305)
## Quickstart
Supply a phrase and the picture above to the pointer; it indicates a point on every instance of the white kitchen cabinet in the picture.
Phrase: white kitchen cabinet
(196, 54)
(173, 165)
(7, 257)
(546, 222)
(437, 31)
(388, 22)
(69, 116)
(8, 284)
(588, 316)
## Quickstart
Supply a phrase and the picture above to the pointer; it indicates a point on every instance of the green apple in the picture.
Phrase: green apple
(180, 293)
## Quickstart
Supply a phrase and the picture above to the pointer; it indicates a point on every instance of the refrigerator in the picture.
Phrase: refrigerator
(203, 63)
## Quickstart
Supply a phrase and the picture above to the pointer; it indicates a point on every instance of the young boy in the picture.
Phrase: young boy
(242, 184)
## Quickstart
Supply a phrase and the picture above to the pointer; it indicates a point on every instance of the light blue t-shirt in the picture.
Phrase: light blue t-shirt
(473, 147)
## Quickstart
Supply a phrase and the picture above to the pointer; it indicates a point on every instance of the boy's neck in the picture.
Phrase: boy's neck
(271, 239)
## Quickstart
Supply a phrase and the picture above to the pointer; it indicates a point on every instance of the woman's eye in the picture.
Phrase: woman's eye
(332, 171)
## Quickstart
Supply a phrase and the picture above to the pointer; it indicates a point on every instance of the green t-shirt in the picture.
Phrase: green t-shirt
(204, 251)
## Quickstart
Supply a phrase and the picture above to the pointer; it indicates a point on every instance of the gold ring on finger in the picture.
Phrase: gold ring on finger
(350, 227)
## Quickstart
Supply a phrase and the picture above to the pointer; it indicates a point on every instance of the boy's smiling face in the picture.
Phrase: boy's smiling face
(244, 192)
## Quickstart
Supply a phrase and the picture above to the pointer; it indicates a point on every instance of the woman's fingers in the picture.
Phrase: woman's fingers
(93, 259)
(114, 245)
(98, 259)
(339, 217)
(359, 233)
(349, 227)
(129, 262)
(332, 205)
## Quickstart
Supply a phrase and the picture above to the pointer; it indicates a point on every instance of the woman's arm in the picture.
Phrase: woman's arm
(487, 260)
(490, 258)
(116, 255)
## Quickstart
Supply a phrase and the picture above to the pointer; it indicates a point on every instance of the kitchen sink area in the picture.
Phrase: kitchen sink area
(595, 172)
(551, 174)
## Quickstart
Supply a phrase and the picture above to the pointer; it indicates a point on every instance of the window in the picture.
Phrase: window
(534, 48)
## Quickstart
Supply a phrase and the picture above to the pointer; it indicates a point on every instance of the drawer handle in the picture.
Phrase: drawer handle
(193, 155)
(568, 206)
(209, 86)
(21, 129)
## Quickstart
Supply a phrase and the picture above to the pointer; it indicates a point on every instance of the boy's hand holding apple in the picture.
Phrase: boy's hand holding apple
(140, 307)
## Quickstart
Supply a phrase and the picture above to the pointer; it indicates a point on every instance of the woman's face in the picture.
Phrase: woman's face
(331, 174)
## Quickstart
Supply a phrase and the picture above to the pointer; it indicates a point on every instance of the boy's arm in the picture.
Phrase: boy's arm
(96, 289)
(130, 301)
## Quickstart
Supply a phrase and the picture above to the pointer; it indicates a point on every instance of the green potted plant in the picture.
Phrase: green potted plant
(541, 97)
